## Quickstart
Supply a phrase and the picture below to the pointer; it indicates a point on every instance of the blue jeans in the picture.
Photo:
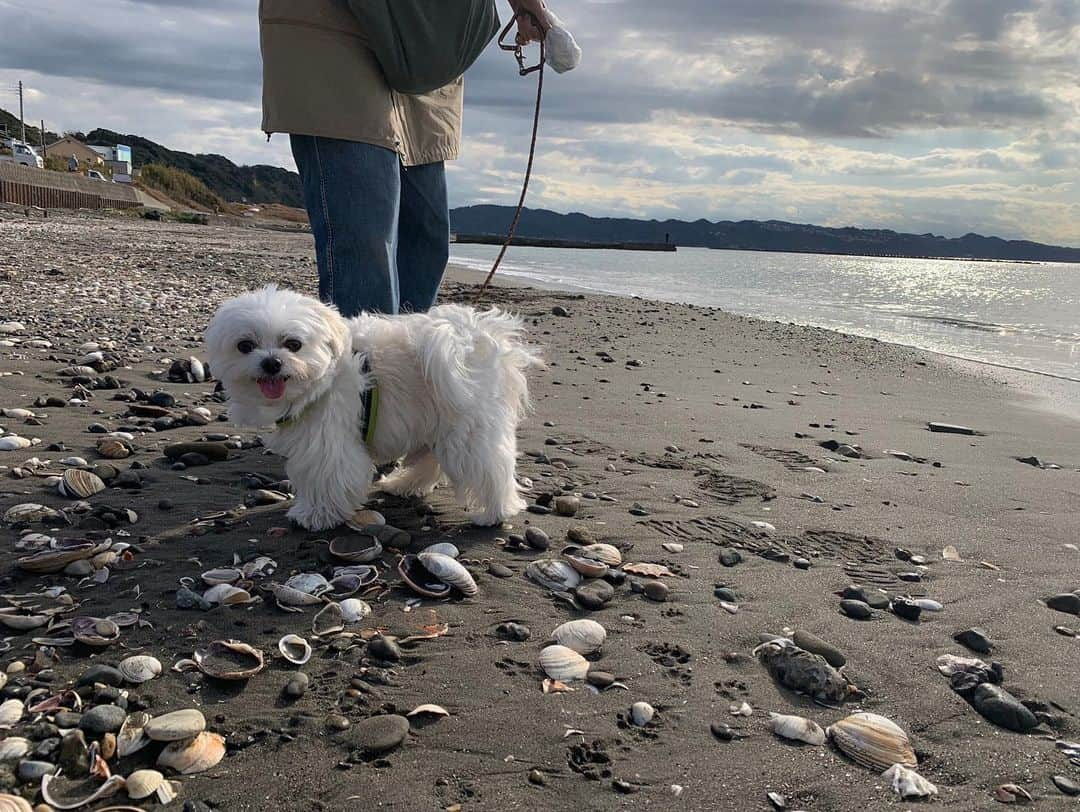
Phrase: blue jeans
(382, 230)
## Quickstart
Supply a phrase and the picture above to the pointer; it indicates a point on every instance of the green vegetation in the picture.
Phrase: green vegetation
(33, 134)
(180, 186)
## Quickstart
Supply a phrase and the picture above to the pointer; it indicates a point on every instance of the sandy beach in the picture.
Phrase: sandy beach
(674, 429)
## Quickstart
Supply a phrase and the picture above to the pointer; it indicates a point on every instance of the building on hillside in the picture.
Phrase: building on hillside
(118, 159)
(69, 145)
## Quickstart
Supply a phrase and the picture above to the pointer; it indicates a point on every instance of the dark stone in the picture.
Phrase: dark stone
(165, 504)
(815, 645)
(725, 594)
(105, 471)
(297, 684)
(42, 730)
(856, 610)
(102, 719)
(902, 554)
(594, 594)
(193, 459)
(1067, 785)
(539, 510)
(129, 479)
(513, 631)
(801, 563)
(218, 452)
(393, 537)
(30, 772)
(163, 399)
(500, 570)
(600, 679)
(615, 577)
(74, 754)
(376, 734)
(623, 787)
(105, 674)
(67, 719)
(384, 648)
(537, 538)
(905, 608)
(656, 590)
(975, 639)
(877, 600)
(186, 599)
(910, 577)
(1065, 602)
(567, 505)
(722, 731)
(1002, 708)
(537, 777)
(950, 428)
(729, 556)
(560, 311)
(97, 428)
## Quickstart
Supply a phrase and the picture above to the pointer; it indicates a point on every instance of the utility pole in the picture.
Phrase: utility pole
(41, 135)
(22, 121)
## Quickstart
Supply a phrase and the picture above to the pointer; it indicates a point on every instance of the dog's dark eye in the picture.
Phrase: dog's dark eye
(245, 346)
(292, 345)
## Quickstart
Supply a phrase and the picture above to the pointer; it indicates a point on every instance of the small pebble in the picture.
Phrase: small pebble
(656, 590)
(856, 610)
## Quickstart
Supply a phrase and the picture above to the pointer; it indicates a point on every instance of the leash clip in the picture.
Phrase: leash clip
(519, 55)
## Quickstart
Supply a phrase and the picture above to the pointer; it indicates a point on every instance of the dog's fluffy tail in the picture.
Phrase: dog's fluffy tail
(479, 352)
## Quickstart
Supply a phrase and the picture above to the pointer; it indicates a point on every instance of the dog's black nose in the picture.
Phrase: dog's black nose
(271, 365)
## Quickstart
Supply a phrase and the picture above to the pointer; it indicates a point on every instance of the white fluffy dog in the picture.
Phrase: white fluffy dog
(448, 387)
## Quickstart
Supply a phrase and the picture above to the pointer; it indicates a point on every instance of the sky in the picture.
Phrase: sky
(943, 116)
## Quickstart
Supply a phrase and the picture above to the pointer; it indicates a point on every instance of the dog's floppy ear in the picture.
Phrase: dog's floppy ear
(338, 338)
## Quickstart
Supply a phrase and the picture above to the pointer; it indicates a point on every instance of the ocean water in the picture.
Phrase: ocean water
(1024, 315)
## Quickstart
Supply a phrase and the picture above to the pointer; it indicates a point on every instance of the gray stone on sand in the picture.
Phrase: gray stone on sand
(1068, 602)
(1002, 708)
(856, 610)
(30, 772)
(376, 734)
(567, 505)
(815, 645)
(656, 590)
(975, 639)
(103, 719)
(105, 674)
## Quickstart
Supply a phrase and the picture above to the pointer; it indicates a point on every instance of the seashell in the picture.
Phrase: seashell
(198, 369)
(344, 585)
(74, 462)
(641, 713)
(552, 574)
(420, 579)
(132, 736)
(13, 803)
(144, 783)
(295, 649)
(193, 755)
(229, 660)
(442, 548)
(740, 709)
(112, 448)
(140, 668)
(175, 726)
(428, 709)
(11, 711)
(354, 610)
(56, 558)
(648, 570)
(358, 549)
(79, 484)
(94, 631)
(928, 604)
(14, 442)
(198, 416)
(908, 783)
(872, 741)
(260, 567)
(802, 671)
(608, 553)
(449, 571)
(17, 414)
(23, 623)
(78, 371)
(589, 567)
(222, 575)
(796, 728)
(29, 512)
(291, 599)
(365, 572)
(563, 664)
(63, 793)
(92, 357)
(13, 748)
(310, 582)
(583, 636)
(329, 620)
(365, 518)
(227, 595)
(124, 619)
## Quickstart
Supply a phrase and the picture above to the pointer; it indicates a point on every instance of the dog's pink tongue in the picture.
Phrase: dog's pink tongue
(272, 388)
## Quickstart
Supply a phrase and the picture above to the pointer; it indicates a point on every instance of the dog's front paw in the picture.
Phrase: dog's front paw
(313, 516)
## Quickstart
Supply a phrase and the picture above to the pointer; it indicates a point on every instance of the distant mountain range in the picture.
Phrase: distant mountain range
(272, 184)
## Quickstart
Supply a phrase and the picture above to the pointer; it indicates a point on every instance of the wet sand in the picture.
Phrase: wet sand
(706, 420)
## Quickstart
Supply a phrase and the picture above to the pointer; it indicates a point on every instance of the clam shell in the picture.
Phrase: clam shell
(342, 586)
(11, 711)
(583, 636)
(112, 448)
(199, 416)
(62, 793)
(143, 783)
(449, 571)
(193, 755)
(222, 575)
(796, 728)
(552, 574)
(13, 803)
(75, 483)
(198, 369)
(94, 631)
(908, 783)
(229, 660)
(227, 595)
(872, 741)
(608, 553)
(357, 549)
(589, 567)
(140, 668)
(259, 567)
(353, 610)
(28, 512)
(365, 518)
(16, 414)
(175, 726)
(13, 748)
(291, 599)
(23, 623)
(442, 548)
(420, 579)
(14, 442)
(56, 558)
(329, 620)
(295, 649)
(563, 664)
(310, 582)
(132, 736)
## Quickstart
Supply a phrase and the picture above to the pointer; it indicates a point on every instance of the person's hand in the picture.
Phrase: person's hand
(528, 31)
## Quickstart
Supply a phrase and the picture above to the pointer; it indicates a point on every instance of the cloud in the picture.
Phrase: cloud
(895, 113)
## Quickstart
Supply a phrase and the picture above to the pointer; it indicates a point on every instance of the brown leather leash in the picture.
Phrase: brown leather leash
(538, 68)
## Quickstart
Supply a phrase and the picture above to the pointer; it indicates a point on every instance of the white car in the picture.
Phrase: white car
(24, 154)
(93, 174)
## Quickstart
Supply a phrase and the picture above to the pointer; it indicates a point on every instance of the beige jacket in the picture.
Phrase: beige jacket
(320, 78)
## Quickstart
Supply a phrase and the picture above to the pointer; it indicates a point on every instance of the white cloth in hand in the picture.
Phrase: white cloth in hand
(562, 52)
